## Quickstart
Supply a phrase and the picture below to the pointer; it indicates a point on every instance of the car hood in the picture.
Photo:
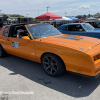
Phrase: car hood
(81, 43)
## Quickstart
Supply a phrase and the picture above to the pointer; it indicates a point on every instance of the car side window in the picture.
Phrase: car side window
(79, 28)
(18, 32)
(75, 28)
(71, 28)
(6, 31)
(65, 28)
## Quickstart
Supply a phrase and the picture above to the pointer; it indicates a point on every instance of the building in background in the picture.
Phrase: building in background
(6, 19)
(19, 20)
(96, 16)
(3, 19)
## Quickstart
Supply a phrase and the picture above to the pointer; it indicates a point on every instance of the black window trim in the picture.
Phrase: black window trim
(64, 27)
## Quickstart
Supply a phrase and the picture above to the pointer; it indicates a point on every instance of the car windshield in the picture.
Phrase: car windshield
(88, 27)
(42, 30)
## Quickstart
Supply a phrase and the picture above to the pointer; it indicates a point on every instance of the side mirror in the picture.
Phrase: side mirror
(25, 37)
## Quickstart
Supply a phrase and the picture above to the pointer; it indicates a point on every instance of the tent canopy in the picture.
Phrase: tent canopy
(48, 16)
(63, 19)
(73, 18)
(66, 18)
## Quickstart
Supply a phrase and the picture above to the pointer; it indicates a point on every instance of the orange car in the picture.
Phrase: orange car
(56, 51)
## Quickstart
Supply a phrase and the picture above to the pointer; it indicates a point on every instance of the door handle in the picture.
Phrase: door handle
(8, 40)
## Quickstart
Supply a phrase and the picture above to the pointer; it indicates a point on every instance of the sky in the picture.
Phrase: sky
(35, 8)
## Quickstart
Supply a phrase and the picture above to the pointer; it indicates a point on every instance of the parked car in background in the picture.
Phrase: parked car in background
(93, 21)
(84, 29)
(98, 24)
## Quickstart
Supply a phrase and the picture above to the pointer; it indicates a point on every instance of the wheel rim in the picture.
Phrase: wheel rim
(50, 65)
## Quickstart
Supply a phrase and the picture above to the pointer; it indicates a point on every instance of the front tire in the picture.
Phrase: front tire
(53, 65)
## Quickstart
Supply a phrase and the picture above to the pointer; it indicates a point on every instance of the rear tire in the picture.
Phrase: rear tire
(53, 65)
(2, 52)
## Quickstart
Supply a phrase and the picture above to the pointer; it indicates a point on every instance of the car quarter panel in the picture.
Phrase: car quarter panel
(73, 59)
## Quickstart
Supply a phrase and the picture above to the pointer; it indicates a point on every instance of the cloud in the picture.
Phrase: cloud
(64, 10)
(54, 11)
(84, 7)
(71, 10)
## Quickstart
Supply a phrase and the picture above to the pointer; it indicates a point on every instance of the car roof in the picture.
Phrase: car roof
(37, 23)
(60, 27)
(74, 23)
(22, 24)
(69, 24)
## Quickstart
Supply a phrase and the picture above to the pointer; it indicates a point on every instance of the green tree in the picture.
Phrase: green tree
(98, 13)
(16, 15)
(79, 16)
(33, 19)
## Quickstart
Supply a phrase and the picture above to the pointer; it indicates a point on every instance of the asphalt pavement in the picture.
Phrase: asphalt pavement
(21, 79)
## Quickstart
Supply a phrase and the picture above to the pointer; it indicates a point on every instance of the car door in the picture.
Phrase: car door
(21, 47)
(76, 30)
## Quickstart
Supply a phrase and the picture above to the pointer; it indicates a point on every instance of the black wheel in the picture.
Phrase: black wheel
(2, 52)
(53, 65)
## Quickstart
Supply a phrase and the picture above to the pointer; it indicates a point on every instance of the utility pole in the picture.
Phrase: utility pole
(47, 8)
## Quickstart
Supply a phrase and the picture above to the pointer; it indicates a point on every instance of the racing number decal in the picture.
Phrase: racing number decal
(15, 44)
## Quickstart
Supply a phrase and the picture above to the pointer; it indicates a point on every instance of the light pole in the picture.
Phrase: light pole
(65, 14)
(0, 11)
(47, 8)
(38, 12)
(27, 15)
(89, 13)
